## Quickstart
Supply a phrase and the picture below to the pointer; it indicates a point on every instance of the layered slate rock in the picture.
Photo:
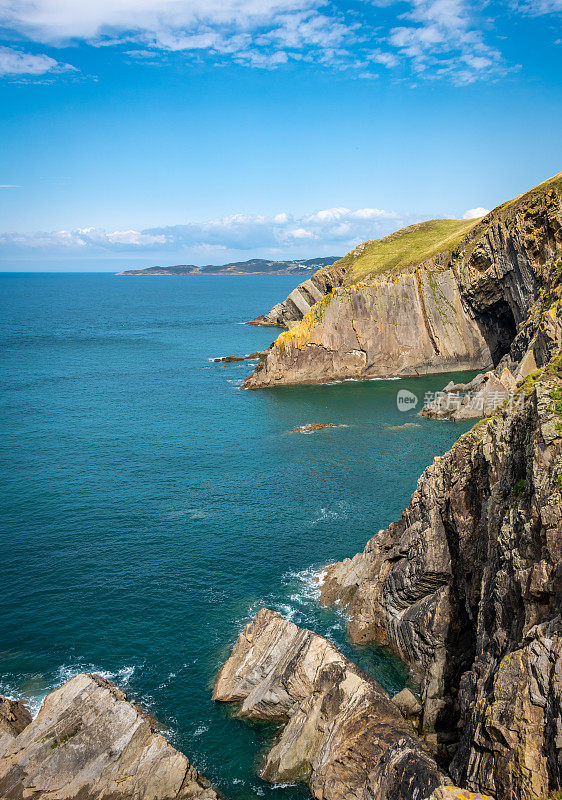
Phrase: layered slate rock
(411, 325)
(14, 717)
(88, 741)
(342, 734)
(300, 301)
(492, 301)
(467, 588)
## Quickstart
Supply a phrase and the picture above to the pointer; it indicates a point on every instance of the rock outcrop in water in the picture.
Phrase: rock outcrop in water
(342, 734)
(467, 589)
(88, 741)
(489, 299)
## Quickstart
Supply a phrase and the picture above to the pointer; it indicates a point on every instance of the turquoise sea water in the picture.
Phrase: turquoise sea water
(151, 508)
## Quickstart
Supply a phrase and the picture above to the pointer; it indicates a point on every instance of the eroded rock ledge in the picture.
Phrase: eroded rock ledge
(467, 589)
(342, 734)
(88, 741)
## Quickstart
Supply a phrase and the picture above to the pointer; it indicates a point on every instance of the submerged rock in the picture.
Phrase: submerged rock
(250, 357)
(342, 733)
(88, 741)
(467, 588)
(314, 426)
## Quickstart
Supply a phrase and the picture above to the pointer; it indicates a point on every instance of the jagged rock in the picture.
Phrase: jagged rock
(301, 299)
(472, 400)
(410, 325)
(14, 717)
(88, 741)
(342, 734)
(409, 705)
(493, 300)
(467, 589)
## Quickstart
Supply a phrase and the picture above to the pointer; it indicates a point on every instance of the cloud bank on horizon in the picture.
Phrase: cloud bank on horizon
(340, 228)
(459, 40)
(278, 236)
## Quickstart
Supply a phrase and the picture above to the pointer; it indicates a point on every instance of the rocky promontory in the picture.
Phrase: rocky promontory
(341, 734)
(440, 296)
(467, 589)
(89, 741)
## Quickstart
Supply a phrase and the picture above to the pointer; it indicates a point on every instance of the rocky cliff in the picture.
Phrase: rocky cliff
(467, 588)
(300, 301)
(439, 296)
(342, 734)
(88, 741)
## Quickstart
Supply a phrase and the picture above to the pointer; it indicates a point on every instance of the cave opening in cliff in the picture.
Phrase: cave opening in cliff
(498, 327)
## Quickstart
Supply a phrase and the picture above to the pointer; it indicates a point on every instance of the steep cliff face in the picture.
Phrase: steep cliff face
(468, 304)
(467, 589)
(342, 734)
(88, 741)
(414, 324)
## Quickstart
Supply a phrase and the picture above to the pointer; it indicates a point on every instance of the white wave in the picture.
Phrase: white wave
(200, 730)
(283, 785)
(308, 582)
(340, 509)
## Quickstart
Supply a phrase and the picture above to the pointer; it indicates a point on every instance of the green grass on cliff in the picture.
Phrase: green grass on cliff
(405, 248)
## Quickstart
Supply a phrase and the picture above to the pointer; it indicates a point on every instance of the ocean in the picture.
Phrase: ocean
(151, 507)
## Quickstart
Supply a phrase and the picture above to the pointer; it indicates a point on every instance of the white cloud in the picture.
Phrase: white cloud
(472, 213)
(16, 62)
(59, 20)
(432, 38)
(134, 237)
(442, 38)
(538, 7)
(302, 233)
(338, 228)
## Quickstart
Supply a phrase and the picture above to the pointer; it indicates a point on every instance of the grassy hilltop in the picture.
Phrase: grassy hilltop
(405, 248)
(409, 247)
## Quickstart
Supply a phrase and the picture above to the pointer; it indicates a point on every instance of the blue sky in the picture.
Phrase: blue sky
(204, 131)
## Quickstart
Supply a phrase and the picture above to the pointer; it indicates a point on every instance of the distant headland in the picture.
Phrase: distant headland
(255, 266)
